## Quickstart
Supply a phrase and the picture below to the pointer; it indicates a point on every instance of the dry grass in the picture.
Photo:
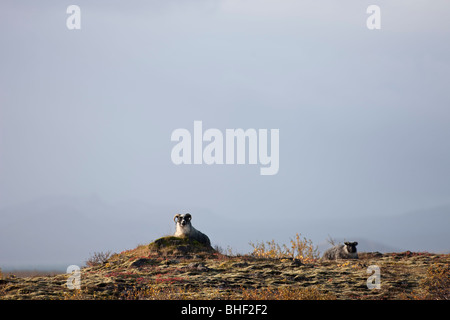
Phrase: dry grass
(76, 294)
(154, 293)
(30, 273)
(133, 293)
(299, 248)
(146, 273)
(285, 293)
(436, 283)
(140, 251)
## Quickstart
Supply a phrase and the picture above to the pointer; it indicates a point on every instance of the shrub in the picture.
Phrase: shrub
(273, 250)
(98, 258)
(437, 282)
(300, 248)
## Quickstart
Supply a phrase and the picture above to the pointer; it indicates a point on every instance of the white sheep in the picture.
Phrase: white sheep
(184, 228)
(342, 251)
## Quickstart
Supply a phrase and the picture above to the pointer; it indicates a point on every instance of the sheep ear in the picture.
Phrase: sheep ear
(176, 217)
(188, 216)
(355, 243)
(346, 243)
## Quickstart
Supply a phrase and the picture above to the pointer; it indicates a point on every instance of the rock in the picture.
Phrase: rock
(296, 263)
(142, 262)
(240, 265)
(175, 246)
(369, 255)
(198, 266)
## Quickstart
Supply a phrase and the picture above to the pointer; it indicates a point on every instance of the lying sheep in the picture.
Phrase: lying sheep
(342, 251)
(185, 229)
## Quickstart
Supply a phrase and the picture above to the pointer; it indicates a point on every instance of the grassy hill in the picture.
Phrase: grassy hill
(174, 268)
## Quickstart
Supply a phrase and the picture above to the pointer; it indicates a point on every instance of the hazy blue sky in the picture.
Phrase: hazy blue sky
(364, 115)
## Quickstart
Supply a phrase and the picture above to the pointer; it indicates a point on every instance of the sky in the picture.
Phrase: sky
(363, 115)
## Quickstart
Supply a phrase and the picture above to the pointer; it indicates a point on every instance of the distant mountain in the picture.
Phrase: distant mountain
(63, 230)
(421, 230)
(66, 230)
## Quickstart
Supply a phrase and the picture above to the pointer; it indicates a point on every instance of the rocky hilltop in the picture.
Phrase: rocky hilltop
(174, 268)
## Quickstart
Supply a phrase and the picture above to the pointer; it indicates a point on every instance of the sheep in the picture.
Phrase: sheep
(184, 228)
(342, 251)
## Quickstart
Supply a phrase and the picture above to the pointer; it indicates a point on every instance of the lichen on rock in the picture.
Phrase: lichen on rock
(176, 246)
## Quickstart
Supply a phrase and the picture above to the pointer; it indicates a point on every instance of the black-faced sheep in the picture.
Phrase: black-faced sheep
(184, 228)
(342, 251)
